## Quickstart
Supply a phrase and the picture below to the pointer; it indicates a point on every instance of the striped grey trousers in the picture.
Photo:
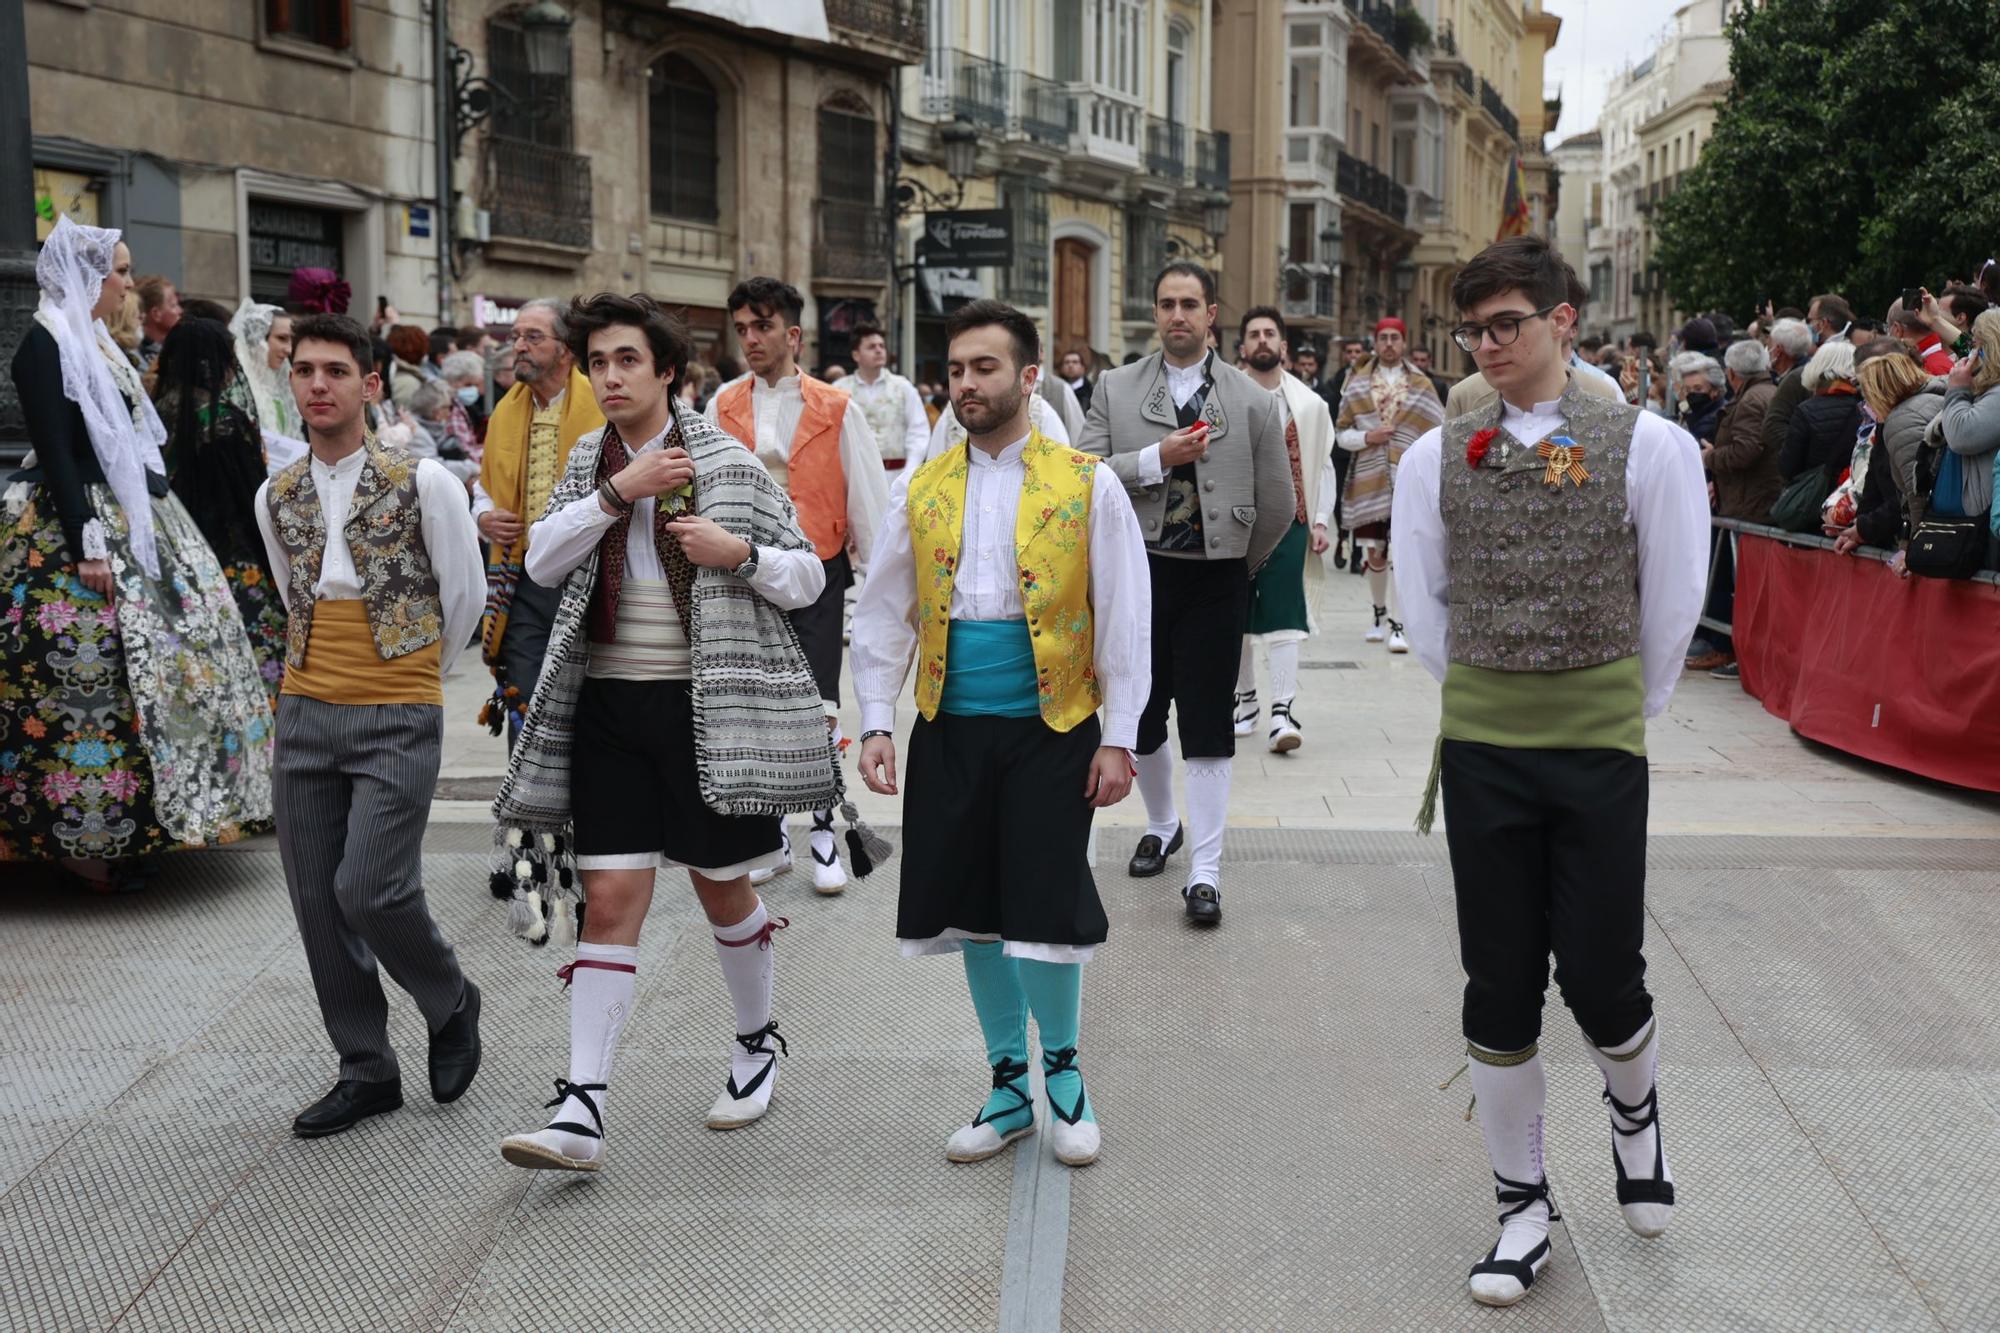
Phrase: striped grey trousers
(352, 784)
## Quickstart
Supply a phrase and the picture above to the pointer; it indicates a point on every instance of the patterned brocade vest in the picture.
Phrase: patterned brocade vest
(1052, 554)
(1543, 577)
(384, 535)
(887, 410)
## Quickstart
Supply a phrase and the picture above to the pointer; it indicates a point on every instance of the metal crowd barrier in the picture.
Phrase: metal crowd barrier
(1734, 528)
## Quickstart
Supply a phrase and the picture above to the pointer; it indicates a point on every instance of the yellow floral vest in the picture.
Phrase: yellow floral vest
(1052, 551)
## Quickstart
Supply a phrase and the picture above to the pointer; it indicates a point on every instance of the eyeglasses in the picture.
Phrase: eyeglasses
(1503, 330)
(532, 337)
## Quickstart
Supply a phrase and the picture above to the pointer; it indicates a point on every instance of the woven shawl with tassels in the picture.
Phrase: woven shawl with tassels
(761, 740)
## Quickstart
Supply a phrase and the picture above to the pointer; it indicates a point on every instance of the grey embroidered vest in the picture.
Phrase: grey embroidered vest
(384, 530)
(1544, 577)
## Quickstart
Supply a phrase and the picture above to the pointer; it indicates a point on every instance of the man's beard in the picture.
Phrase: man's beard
(982, 417)
(1264, 362)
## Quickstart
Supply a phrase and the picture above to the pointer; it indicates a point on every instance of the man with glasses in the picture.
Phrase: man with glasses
(528, 439)
(1384, 406)
(1551, 552)
(1473, 393)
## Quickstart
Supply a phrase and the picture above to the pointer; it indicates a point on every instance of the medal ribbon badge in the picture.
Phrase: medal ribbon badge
(1565, 459)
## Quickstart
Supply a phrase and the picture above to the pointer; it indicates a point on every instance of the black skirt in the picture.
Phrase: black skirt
(996, 835)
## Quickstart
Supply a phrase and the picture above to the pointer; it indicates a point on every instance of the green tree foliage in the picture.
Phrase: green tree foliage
(1858, 152)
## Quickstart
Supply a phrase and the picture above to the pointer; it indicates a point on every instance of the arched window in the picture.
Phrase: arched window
(682, 111)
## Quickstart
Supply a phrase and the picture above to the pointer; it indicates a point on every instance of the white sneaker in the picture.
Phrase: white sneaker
(828, 876)
(573, 1141)
(1247, 713)
(1397, 643)
(1285, 735)
(1375, 631)
(769, 873)
(753, 1077)
(1075, 1145)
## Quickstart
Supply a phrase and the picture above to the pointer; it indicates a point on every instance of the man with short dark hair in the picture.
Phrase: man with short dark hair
(816, 442)
(378, 564)
(159, 311)
(701, 731)
(1281, 593)
(546, 410)
(1201, 451)
(1553, 651)
(1829, 317)
(1034, 618)
(1420, 357)
(1075, 373)
(1305, 366)
(887, 400)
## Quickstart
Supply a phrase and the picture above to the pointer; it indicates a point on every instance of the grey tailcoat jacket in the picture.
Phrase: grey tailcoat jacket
(1247, 498)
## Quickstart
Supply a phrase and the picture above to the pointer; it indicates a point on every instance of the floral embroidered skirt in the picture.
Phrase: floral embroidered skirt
(263, 613)
(131, 727)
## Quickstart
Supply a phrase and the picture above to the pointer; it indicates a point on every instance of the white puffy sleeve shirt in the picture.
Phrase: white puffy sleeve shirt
(987, 587)
(450, 540)
(1666, 501)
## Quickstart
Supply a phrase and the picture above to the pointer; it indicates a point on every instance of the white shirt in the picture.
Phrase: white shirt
(775, 411)
(987, 586)
(562, 541)
(482, 503)
(1666, 501)
(948, 434)
(1182, 381)
(450, 540)
(916, 424)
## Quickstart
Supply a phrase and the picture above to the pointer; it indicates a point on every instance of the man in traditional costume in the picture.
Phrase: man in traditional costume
(1281, 592)
(378, 562)
(1551, 553)
(817, 443)
(1016, 573)
(890, 403)
(1385, 404)
(677, 720)
(528, 440)
(1200, 448)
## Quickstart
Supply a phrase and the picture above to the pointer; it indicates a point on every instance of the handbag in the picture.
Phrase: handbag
(1797, 508)
(1945, 545)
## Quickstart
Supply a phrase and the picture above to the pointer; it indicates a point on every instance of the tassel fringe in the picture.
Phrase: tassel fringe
(535, 872)
(1427, 812)
(866, 848)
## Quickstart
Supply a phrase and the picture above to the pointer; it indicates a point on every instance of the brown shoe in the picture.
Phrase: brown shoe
(1710, 661)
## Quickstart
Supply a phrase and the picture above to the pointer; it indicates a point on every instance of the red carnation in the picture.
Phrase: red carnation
(1476, 447)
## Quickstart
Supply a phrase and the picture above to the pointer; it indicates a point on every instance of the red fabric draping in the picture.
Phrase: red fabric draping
(1903, 672)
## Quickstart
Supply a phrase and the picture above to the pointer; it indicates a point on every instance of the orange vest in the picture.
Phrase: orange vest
(813, 473)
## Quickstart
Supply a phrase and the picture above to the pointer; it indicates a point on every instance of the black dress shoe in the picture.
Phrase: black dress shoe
(1151, 858)
(351, 1102)
(455, 1050)
(1204, 904)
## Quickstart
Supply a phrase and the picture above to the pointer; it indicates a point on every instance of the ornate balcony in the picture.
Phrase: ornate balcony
(1105, 125)
(894, 28)
(850, 241)
(533, 193)
(1496, 107)
(958, 84)
(1211, 160)
(1039, 110)
(1166, 149)
(1365, 185)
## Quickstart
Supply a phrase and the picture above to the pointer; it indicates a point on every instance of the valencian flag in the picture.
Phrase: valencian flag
(1514, 208)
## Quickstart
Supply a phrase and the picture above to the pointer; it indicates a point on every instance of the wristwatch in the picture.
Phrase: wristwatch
(749, 566)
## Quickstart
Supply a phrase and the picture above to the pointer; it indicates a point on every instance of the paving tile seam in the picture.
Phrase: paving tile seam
(1839, 1180)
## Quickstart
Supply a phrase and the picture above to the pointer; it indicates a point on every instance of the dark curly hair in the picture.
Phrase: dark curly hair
(665, 334)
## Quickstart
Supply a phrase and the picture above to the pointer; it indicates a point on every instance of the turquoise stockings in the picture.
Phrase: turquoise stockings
(1004, 991)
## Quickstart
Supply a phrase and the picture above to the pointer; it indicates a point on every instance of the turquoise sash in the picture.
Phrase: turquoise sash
(990, 670)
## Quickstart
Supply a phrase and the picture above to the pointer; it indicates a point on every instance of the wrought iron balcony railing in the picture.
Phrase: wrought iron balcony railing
(958, 84)
(1166, 148)
(535, 193)
(1496, 106)
(1211, 160)
(850, 241)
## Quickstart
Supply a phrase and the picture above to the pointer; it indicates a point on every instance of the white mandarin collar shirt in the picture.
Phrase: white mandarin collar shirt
(1666, 502)
(450, 540)
(561, 542)
(987, 586)
(775, 410)
(1182, 381)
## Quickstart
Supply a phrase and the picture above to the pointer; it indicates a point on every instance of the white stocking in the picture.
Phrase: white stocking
(1208, 812)
(1284, 655)
(1246, 671)
(1511, 1099)
(1156, 786)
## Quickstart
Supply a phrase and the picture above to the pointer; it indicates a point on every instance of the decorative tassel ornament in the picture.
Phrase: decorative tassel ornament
(500, 886)
(1427, 812)
(562, 924)
(538, 930)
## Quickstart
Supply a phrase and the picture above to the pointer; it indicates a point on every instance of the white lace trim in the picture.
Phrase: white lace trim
(95, 547)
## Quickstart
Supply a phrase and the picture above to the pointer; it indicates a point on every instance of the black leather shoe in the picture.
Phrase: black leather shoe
(1151, 858)
(351, 1102)
(455, 1050)
(1204, 904)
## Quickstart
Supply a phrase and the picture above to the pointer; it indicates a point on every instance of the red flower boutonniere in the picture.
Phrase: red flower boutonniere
(1476, 447)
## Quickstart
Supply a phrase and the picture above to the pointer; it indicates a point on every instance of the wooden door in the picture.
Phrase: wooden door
(1073, 283)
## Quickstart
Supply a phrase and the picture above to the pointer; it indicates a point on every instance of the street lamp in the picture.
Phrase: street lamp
(545, 24)
(1329, 245)
(1215, 216)
(961, 160)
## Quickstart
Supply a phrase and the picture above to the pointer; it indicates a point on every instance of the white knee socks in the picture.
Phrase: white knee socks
(1156, 787)
(1246, 671)
(1631, 1072)
(744, 951)
(601, 987)
(1378, 586)
(1208, 812)
(1511, 1100)
(1284, 657)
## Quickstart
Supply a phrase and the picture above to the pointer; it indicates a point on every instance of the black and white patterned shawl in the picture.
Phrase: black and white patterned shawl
(761, 740)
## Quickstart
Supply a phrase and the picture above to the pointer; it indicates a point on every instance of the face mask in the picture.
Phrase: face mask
(469, 394)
